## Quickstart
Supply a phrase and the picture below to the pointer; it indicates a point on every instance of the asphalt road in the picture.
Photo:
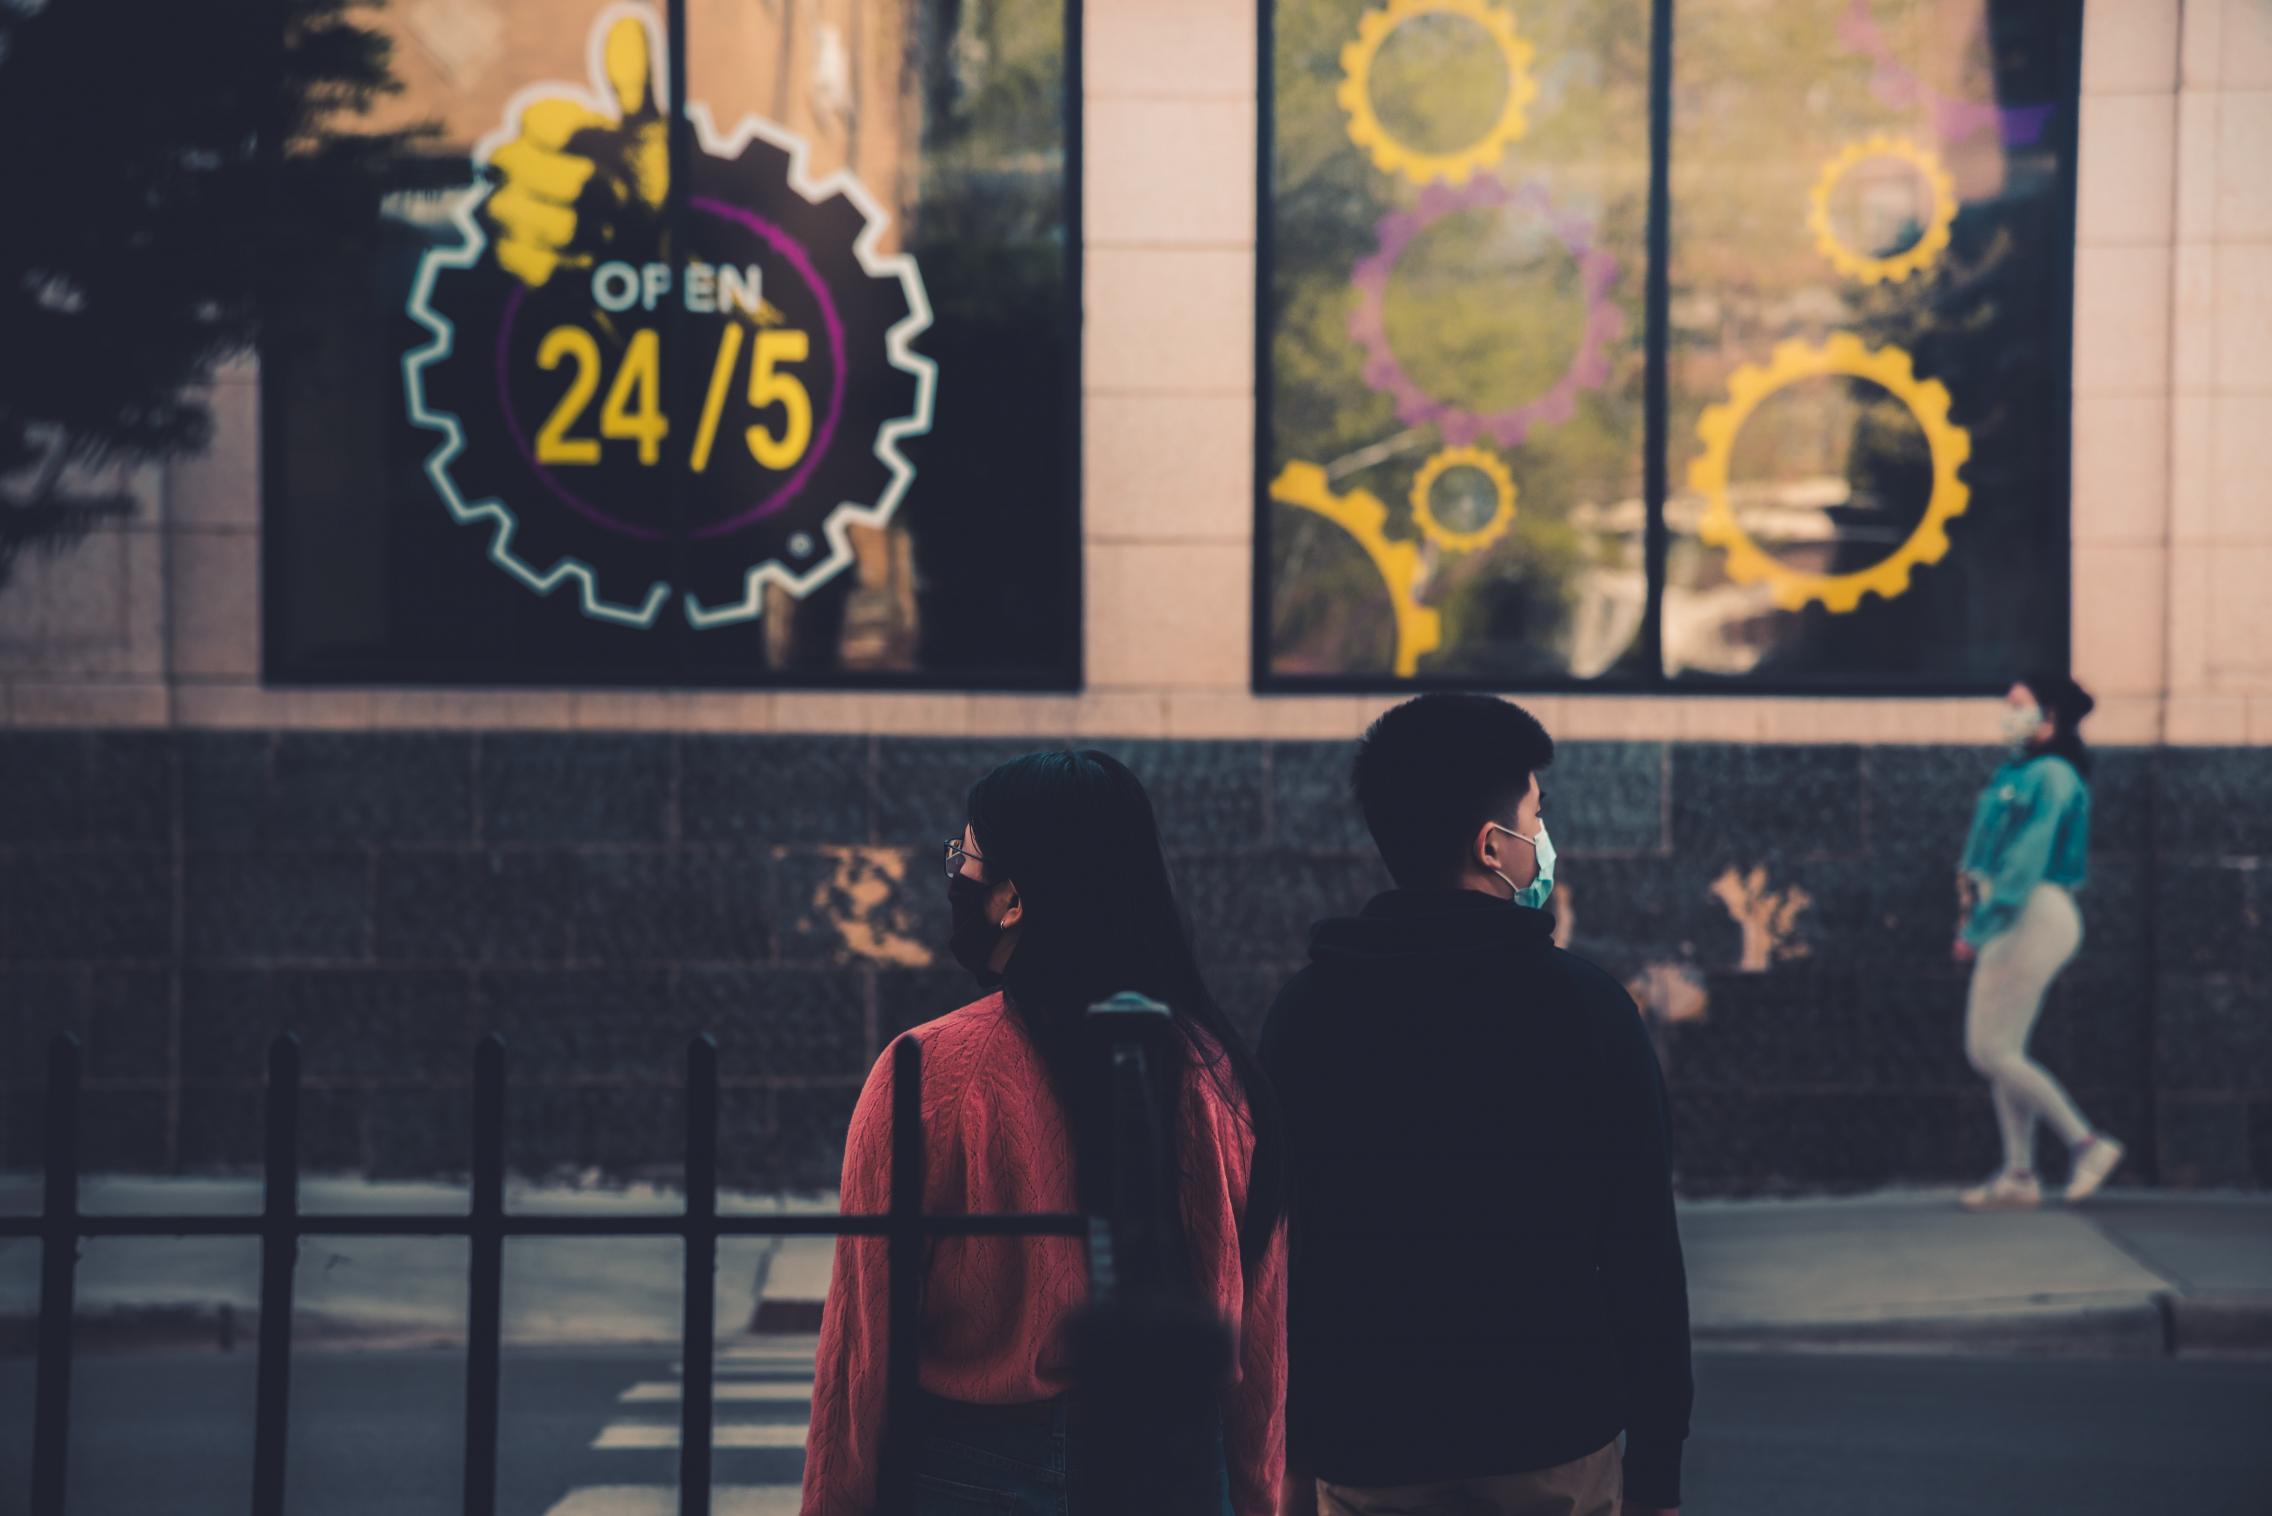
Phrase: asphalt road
(588, 1434)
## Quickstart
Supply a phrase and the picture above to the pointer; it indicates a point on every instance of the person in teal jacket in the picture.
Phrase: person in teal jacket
(2023, 862)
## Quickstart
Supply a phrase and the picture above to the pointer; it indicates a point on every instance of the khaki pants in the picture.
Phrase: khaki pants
(1589, 1486)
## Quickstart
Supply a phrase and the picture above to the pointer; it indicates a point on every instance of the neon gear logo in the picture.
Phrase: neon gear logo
(793, 383)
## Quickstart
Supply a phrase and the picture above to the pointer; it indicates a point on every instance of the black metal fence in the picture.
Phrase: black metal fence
(280, 1226)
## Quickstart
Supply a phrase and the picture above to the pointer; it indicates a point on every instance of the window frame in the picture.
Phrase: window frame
(285, 667)
(1656, 439)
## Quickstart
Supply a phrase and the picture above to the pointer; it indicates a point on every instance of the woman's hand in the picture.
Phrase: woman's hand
(1964, 952)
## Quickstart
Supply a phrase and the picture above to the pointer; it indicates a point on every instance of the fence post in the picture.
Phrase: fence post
(1137, 1030)
(903, 1268)
(485, 1284)
(701, 1290)
(1150, 1359)
(58, 1258)
(279, 1250)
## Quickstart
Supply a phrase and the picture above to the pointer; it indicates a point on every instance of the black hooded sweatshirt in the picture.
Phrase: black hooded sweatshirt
(1486, 1275)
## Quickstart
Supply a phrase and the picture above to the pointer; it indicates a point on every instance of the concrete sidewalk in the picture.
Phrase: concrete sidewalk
(396, 1291)
(2141, 1273)
(2134, 1272)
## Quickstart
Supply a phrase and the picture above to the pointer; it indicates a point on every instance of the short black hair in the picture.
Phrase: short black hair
(1432, 770)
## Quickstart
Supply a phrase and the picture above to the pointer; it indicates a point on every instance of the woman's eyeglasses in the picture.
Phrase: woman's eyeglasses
(956, 853)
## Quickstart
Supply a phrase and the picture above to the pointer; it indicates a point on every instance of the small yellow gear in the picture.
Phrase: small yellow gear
(1419, 629)
(1502, 514)
(1920, 254)
(1393, 157)
(1844, 353)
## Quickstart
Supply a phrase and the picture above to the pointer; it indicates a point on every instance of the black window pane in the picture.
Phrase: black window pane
(742, 409)
(1871, 291)
(1456, 235)
(1867, 348)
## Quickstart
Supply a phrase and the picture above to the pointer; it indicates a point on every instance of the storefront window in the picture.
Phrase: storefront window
(1800, 423)
(778, 389)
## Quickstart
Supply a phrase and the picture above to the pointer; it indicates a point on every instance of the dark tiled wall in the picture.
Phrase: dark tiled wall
(177, 899)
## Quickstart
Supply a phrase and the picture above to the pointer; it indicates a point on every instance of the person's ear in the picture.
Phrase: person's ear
(1485, 850)
(1014, 911)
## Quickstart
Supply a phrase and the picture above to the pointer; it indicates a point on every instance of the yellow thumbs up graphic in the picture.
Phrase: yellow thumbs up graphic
(576, 181)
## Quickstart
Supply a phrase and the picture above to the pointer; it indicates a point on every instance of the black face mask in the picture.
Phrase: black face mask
(973, 938)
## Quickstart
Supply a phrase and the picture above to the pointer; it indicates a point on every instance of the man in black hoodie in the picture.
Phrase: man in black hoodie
(1486, 1281)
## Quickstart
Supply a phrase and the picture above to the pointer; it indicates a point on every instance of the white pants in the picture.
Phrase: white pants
(2008, 983)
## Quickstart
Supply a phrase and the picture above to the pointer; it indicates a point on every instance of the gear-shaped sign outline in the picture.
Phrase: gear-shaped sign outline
(1927, 401)
(1419, 628)
(1366, 131)
(1385, 372)
(1502, 517)
(842, 516)
(1913, 259)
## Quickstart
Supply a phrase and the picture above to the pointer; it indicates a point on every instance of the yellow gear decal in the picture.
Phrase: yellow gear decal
(1393, 157)
(1359, 513)
(1502, 514)
(1844, 353)
(1913, 259)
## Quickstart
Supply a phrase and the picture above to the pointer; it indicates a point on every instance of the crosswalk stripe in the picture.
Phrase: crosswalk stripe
(769, 1391)
(757, 1434)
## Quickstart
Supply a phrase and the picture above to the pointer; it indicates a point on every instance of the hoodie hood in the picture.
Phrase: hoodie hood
(1404, 926)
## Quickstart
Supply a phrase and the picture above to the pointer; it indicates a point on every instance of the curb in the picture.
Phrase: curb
(2166, 1325)
(220, 1329)
(2138, 1329)
(2220, 1324)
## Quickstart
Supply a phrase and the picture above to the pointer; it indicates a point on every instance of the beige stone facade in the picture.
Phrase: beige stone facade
(156, 623)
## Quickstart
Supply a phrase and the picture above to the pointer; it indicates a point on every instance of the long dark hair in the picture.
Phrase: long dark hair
(2064, 704)
(1074, 831)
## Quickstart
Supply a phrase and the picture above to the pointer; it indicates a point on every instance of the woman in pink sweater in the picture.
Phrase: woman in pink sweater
(1061, 898)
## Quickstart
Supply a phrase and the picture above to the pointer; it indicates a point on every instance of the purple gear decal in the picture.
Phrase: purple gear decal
(1368, 324)
(1954, 120)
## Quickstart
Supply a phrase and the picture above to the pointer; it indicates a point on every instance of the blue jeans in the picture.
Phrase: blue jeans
(998, 1460)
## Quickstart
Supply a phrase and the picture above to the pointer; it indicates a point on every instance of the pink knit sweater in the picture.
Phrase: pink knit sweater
(994, 1308)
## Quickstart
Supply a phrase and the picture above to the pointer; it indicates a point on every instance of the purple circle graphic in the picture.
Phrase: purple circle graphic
(1368, 323)
(1953, 120)
(832, 326)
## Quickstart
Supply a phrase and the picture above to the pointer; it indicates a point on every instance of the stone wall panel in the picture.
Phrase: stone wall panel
(574, 789)
(775, 1023)
(1782, 914)
(110, 904)
(775, 789)
(86, 787)
(313, 789)
(354, 1025)
(486, 906)
(277, 907)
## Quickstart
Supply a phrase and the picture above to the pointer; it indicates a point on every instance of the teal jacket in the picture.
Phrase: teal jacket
(2032, 826)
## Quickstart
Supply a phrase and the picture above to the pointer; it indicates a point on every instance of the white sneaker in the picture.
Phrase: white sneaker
(2098, 1157)
(2005, 1192)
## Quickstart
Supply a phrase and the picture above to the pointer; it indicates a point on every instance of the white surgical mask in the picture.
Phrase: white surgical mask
(2020, 722)
(1534, 893)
